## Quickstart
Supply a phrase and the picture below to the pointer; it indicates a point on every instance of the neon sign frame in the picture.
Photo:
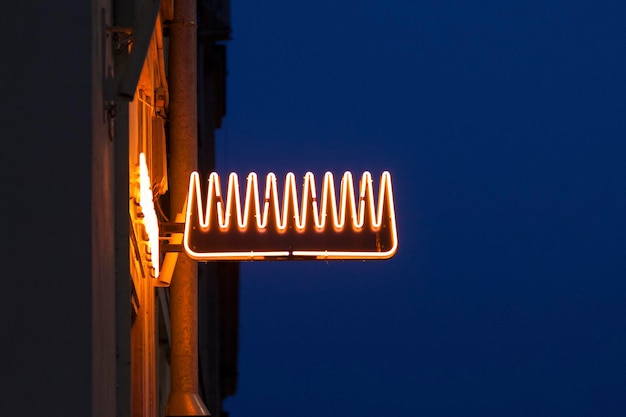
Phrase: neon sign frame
(320, 227)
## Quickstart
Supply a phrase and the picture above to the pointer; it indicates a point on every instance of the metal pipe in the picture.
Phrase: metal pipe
(184, 399)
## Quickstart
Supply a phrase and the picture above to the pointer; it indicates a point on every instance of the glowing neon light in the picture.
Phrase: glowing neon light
(320, 227)
(149, 220)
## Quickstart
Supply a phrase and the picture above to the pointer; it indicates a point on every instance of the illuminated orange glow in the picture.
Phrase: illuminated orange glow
(149, 220)
(305, 227)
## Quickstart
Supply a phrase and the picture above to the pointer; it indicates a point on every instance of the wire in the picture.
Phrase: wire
(157, 204)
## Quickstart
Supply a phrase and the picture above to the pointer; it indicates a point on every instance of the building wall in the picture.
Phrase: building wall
(48, 132)
(149, 340)
(103, 216)
(70, 345)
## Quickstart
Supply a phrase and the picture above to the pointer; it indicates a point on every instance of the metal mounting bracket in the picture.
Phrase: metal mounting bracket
(171, 246)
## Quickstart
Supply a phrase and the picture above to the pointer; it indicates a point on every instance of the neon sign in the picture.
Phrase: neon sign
(149, 220)
(321, 226)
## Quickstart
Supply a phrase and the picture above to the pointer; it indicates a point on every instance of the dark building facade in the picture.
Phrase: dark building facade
(88, 327)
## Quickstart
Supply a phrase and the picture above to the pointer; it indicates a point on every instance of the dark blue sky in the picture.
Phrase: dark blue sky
(503, 124)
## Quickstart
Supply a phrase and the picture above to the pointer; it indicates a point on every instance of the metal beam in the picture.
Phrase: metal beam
(142, 36)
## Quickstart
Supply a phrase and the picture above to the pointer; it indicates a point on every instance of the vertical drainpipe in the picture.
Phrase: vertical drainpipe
(184, 399)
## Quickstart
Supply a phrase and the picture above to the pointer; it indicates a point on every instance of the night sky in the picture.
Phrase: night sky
(503, 125)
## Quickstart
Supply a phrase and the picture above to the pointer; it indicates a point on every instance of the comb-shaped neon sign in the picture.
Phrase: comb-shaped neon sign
(306, 225)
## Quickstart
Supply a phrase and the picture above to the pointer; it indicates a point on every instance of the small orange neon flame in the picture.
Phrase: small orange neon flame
(321, 227)
(150, 221)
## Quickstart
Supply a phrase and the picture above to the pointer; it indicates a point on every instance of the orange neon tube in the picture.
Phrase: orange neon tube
(149, 220)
